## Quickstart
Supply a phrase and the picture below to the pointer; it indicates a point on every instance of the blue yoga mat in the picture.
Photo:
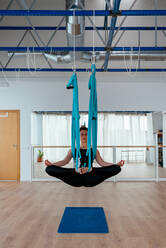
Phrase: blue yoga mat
(83, 220)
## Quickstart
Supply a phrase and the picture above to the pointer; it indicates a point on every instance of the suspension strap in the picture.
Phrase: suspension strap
(92, 117)
(75, 129)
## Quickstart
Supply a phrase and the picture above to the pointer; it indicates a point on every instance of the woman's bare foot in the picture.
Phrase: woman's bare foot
(48, 163)
(121, 163)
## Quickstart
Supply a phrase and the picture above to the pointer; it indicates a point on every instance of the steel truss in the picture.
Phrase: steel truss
(112, 11)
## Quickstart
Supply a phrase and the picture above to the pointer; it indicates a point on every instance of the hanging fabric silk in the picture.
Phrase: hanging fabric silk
(75, 129)
(92, 118)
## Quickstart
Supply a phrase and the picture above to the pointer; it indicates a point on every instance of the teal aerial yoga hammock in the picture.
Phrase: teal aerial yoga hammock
(92, 118)
(75, 130)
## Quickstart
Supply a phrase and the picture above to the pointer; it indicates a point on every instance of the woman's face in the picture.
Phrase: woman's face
(83, 136)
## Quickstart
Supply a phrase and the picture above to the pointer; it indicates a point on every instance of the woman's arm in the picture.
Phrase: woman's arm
(63, 162)
(101, 162)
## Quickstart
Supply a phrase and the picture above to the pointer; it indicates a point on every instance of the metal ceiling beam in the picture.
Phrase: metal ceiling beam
(9, 4)
(88, 28)
(111, 32)
(39, 46)
(82, 13)
(1, 64)
(23, 4)
(120, 25)
(82, 70)
(59, 25)
(164, 33)
(22, 38)
(94, 26)
(33, 3)
(52, 49)
(156, 24)
(2, 17)
(108, 4)
(124, 19)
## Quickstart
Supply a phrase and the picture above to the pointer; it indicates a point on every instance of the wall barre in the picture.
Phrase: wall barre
(100, 146)
(82, 13)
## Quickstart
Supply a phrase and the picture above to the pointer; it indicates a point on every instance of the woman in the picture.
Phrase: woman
(82, 177)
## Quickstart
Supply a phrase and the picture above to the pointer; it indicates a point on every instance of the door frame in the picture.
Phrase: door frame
(18, 138)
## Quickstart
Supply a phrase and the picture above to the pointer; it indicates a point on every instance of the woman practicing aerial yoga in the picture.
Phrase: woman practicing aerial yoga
(82, 177)
(83, 153)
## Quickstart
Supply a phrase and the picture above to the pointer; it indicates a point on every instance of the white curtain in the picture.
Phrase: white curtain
(56, 132)
(34, 129)
(117, 129)
(114, 129)
(150, 153)
(36, 132)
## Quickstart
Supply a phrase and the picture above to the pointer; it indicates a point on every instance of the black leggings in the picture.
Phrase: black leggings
(89, 179)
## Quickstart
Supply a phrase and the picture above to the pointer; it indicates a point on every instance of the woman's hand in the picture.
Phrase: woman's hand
(48, 163)
(121, 163)
(83, 170)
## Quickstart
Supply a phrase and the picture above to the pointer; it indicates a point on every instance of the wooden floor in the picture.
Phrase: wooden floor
(30, 214)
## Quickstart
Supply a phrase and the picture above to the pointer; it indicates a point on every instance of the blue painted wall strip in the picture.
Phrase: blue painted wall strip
(82, 13)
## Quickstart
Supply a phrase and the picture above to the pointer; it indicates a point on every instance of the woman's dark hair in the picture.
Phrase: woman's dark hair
(83, 128)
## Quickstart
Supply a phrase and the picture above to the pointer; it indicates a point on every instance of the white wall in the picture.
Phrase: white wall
(157, 119)
(115, 93)
(47, 91)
